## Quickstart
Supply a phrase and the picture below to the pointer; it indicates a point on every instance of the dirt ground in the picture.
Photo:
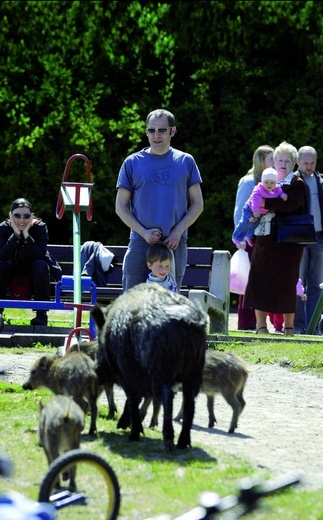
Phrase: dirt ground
(280, 428)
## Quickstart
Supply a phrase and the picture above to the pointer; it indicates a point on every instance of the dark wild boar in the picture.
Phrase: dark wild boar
(72, 375)
(151, 340)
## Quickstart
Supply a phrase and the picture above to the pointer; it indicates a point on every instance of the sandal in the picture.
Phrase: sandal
(265, 330)
(289, 331)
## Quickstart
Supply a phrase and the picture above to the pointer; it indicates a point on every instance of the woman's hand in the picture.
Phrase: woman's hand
(28, 226)
(13, 225)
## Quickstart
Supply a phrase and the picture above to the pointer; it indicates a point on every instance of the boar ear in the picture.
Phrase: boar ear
(98, 316)
(43, 363)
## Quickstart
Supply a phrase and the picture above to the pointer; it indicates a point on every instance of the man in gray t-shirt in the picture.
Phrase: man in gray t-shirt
(159, 197)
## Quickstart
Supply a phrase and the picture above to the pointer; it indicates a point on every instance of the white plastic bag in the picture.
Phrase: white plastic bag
(239, 271)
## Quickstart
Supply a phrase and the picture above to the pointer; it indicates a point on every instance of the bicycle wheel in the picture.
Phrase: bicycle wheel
(82, 486)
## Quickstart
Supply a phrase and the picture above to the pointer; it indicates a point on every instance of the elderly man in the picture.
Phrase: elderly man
(311, 268)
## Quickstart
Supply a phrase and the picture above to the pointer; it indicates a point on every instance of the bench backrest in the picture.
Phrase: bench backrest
(197, 274)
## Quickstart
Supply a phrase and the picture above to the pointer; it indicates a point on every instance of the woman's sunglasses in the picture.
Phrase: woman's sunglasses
(25, 216)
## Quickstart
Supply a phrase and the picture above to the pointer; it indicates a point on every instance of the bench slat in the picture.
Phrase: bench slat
(196, 255)
(196, 277)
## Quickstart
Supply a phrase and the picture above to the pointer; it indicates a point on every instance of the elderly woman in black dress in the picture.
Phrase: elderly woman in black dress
(274, 269)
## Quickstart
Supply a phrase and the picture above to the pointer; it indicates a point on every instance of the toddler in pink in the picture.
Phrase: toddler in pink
(253, 208)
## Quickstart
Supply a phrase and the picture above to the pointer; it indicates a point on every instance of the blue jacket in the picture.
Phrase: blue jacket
(319, 180)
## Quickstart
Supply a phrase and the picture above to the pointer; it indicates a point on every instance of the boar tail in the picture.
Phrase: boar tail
(98, 316)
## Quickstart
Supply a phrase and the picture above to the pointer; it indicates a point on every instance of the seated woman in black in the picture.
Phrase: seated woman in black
(23, 250)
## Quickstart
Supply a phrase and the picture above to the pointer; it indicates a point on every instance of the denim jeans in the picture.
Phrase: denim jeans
(311, 274)
(244, 227)
(135, 270)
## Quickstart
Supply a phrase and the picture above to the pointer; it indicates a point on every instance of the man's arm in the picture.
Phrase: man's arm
(194, 211)
(123, 211)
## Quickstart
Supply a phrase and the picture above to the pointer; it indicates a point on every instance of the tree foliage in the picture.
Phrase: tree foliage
(80, 77)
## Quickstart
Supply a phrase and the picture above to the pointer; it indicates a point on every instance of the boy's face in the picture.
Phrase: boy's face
(269, 184)
(160, 269)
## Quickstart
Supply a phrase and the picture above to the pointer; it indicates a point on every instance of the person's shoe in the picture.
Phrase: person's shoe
(40, 320)
(262, 330)
(1, 322)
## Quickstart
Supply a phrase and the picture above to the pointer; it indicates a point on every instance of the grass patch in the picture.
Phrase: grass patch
(34, 348)
(152, 481)
(55, 318)
(296, 355)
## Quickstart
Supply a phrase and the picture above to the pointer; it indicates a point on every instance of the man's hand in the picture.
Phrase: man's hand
(172, 240)
(152, 236)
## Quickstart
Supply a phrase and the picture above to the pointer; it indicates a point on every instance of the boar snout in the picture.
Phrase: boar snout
(27, 386)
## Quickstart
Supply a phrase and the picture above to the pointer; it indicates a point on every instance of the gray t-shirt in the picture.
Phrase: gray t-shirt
(158, 186)
(315, 209)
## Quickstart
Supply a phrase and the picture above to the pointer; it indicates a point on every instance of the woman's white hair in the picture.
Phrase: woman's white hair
(287, 148)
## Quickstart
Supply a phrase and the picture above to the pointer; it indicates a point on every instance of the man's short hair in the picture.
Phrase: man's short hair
(160, 112)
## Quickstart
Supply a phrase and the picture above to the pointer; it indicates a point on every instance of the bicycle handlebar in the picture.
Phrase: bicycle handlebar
(250, 491)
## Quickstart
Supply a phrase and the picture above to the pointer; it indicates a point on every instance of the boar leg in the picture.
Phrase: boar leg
(136, 426)
(241, 399)
(168, 430)
(179, 416)
(234, 402)
(108, 388)
(154, 417)
(144, 407)
(94, 413)
(124, 420)
(189, 395)
(210, 408)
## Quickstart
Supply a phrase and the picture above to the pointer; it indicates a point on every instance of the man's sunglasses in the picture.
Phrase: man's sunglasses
(25, 216)
(159, 130)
